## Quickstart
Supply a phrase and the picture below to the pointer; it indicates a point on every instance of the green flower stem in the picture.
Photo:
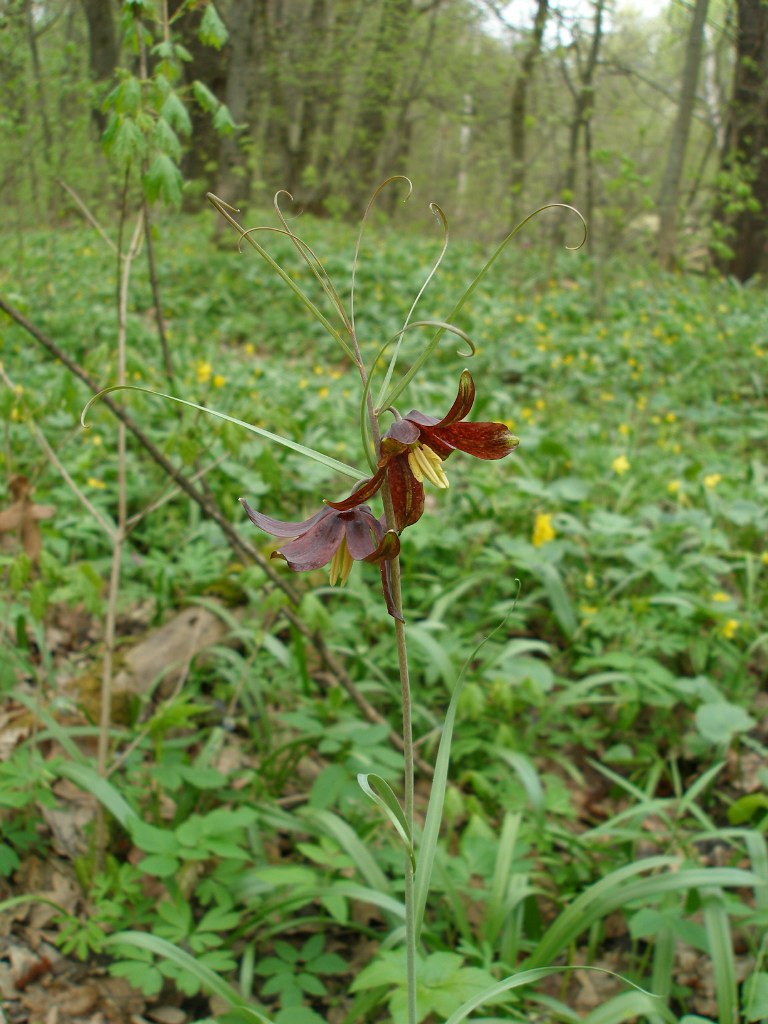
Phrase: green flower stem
(405, 687)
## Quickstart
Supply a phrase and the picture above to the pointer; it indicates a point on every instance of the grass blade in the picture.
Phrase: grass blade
(210, 981)
(286, 442)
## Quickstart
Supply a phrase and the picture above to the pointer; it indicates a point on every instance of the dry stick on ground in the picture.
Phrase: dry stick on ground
(236, 542)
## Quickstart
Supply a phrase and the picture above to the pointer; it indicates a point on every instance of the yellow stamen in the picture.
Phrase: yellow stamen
(436, 464)
(341, 565)
(426, 463)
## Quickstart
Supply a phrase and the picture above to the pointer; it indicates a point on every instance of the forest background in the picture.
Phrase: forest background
(182, 722)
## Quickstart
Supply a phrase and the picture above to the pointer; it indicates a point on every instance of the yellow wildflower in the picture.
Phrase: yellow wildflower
(721, 596)
(589, 581)
(711, 480)
(620, 464)
(729, 628)
(204, 371)
(674, 486)
(543, 531)
(98, 484)
(219, 381)
(764, 558)
(323, 392)
(623, 429)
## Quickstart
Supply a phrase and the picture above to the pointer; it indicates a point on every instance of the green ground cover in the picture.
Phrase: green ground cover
(618, 716)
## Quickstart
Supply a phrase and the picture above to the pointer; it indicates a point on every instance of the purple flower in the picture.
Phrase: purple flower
(338, 537)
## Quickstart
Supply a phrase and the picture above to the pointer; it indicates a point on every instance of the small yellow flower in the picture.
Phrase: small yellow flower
(219, 381)
(729, 627)
(527, 414)
(318, 370)
(303, 383)
(711, 480)
(620, 464)
(623, 429)
(674, 486)
(249, 348)
(323, 392)
(641, 403)
(606, 396)
(764, 558)
(204, 371)
(98, 484)
(720, 596)
(540, 404)
(670, 417)
(589, 581)
(543, 531)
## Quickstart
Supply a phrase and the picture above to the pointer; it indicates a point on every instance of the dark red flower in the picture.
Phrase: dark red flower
(338, 537)
(415, 447)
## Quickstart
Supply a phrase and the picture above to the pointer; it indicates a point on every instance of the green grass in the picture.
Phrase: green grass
(616, 714)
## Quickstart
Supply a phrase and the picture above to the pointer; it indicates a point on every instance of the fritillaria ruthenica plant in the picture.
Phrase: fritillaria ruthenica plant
(410, 451)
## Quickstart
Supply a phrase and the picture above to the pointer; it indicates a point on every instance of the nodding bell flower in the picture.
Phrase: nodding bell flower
(340, 538)
(415, 447)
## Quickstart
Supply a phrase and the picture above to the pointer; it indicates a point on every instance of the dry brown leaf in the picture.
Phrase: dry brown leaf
(23, 515)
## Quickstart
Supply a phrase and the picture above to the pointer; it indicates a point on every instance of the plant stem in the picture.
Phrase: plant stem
(408, 782)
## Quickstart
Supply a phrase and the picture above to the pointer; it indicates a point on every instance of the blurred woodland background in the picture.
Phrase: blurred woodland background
(651, 119)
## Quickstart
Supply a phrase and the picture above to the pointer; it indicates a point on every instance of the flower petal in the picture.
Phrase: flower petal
(280, 528)
(465, 399)
(360, 540)
(388, 548)
(316, 547)
(407, 493)
(365, 491)
(403, 432)
(483, 440)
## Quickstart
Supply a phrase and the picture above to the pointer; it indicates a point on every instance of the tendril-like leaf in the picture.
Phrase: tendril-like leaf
(312, 260)
(398, 389)
(286, 442)
(438, 212)
(224, 208)
(363, 222)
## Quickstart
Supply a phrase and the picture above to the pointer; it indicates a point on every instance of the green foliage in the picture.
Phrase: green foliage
(614, 708)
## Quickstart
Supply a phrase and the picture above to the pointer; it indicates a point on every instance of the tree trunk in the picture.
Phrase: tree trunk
(583, 102)
(103, 50)
(376, 95)
(673, 170)
(209, 66)
(744, 210)
(517, 114)
(247, 27)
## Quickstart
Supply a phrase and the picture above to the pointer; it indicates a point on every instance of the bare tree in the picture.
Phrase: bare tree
(673, 170)
(518, 109)
(744, 205)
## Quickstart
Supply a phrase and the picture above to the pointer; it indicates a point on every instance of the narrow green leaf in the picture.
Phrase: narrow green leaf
(388, 802)
(208, 979)
(395, 393)
(90, 781)
(527, 977)
(310, 453)
(717, 925)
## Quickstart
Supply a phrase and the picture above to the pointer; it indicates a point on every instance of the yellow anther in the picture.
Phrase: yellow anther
(341, 565)
(426, 464)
